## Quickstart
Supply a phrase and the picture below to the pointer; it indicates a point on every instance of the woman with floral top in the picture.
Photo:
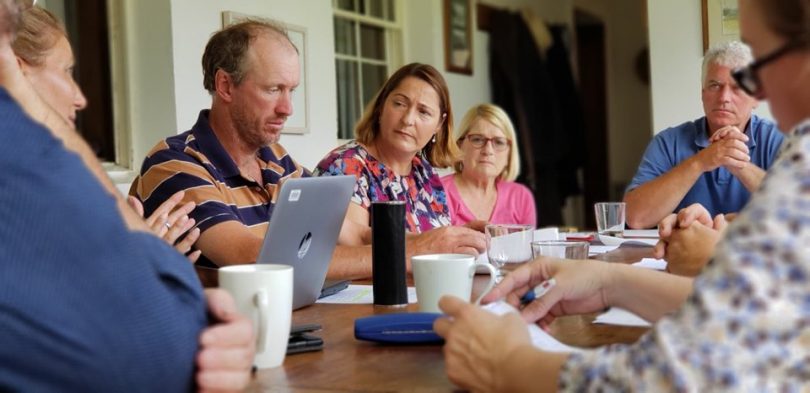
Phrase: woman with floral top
(742, 325)
(404, 133)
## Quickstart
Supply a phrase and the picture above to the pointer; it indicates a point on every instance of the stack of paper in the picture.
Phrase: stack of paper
(540, 338)
(652, 263)
(618, 316)
(360, 294)
(514, 241)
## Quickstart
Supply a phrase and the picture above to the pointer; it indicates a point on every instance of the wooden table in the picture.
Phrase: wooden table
(346, 364)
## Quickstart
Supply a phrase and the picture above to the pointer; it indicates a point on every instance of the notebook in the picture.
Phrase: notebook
(304, 229)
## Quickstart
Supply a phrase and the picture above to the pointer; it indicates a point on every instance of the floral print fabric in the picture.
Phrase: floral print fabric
(746, 326)
(422, 191)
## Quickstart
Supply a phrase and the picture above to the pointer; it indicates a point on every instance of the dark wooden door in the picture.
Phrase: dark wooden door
(592, 76)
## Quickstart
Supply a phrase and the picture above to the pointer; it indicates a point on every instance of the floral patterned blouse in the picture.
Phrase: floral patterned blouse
(746, 325)
(422, 191)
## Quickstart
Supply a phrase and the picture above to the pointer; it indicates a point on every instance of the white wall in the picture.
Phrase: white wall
(676, 52)
(193, 21)
(165, 83)
(423, 42)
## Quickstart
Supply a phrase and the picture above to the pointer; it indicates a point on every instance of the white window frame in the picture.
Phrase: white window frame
(393, 44)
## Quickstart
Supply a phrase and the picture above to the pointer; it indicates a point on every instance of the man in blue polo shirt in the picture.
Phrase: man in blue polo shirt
(716, 160)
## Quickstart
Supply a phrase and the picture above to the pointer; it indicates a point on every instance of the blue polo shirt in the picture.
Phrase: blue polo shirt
(85, 304)
(718, 190)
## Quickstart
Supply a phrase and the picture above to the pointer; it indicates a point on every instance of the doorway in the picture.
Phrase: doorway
(591, 60)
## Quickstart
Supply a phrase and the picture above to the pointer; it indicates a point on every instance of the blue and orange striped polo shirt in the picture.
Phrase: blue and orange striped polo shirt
(196, 162)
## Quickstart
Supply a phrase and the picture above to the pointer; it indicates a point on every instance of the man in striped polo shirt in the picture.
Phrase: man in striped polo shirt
(230, 163)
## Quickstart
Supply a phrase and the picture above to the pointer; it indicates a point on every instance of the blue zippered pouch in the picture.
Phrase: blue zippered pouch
(398, 328)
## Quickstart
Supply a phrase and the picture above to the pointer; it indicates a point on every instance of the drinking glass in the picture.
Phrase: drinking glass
(508, 246)
(609, 218)
(560, 249)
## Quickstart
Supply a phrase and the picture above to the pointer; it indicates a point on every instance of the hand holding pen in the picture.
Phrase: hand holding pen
(558, 287)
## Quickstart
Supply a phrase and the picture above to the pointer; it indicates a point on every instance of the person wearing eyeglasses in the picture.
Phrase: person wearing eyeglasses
(483, 186)
(716, 160)
(742, 325)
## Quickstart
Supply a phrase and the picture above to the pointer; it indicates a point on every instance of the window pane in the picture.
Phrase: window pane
(372, 42)
(375, 8)
(348, 5)
(344, 37)
(373, 78)
(389, 10)
(347, 97)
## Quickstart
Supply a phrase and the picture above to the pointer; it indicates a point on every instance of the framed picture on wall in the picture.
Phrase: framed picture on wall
(458, 39)
(721, 22)
(298, 123)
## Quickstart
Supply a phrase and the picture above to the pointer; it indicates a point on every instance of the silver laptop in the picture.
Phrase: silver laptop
(304, 229)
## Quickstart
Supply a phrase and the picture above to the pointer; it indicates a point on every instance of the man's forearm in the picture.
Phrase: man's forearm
(750, 176)
(652, 201)
(648, 293)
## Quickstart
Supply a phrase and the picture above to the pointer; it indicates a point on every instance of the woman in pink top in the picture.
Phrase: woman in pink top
(483, 187)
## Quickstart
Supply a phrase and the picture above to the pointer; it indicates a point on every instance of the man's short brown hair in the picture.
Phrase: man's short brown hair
(227, 49)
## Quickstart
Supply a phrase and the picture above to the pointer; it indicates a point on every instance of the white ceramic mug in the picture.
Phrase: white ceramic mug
(436, 275)
(264, 294)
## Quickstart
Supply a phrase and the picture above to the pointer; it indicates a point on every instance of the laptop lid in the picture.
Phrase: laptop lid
(304, 229)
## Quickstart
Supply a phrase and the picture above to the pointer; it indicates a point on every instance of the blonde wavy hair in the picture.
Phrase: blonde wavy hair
(495, 115)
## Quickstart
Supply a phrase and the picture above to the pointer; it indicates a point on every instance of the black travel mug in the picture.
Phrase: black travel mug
(388, 253)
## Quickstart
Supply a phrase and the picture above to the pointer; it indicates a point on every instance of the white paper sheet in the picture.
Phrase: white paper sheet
(540, 338)
(622, 317)
(648, 233)
(617, 241)
(359, 294)
(652, 263)
(595, 250)
(513, 242)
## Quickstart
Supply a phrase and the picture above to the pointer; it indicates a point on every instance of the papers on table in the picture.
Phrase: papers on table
(652, 263)
(540, 338)
(622, 317)
(519, 250)
(594, 250)
(647, 233)
(618, 241)
(360, 294)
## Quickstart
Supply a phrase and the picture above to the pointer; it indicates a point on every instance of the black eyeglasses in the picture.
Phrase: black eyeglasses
(747, 78)
(478, 141)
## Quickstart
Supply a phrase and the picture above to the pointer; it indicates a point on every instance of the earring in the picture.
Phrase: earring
(434, 138)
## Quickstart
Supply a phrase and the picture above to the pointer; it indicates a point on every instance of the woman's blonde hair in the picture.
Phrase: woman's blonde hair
(495, 115)
(38, 32)
(441, 153)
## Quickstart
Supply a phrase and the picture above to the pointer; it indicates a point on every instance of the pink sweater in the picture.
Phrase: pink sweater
(514, 204)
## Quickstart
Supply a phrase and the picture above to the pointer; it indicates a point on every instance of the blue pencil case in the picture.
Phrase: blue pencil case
(399, 328)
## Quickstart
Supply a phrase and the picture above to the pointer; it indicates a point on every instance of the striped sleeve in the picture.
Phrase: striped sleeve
(168, 171)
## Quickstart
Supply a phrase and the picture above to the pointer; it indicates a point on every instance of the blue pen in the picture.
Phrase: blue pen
(538, 291)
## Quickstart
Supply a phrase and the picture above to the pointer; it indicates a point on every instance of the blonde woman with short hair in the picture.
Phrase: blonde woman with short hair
(483, 186)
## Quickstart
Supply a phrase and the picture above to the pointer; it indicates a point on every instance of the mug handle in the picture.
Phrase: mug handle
(263, 304)
(493, 279)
